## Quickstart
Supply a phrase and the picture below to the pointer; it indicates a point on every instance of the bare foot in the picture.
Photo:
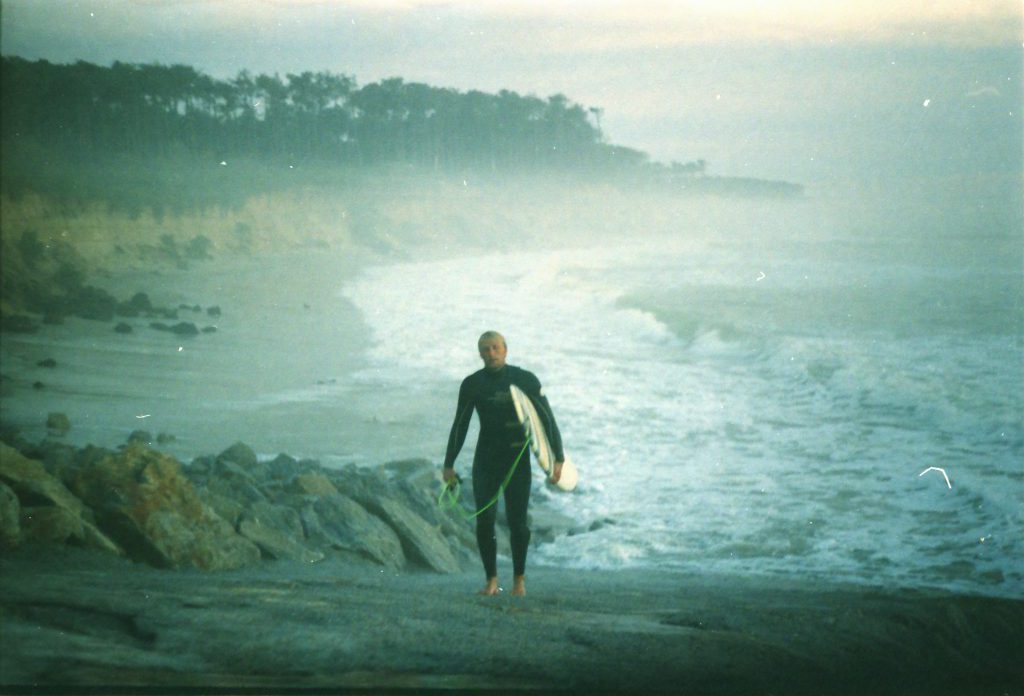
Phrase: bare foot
(491, 588)
(519, 586)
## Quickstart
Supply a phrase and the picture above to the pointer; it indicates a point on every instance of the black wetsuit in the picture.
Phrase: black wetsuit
(501, 441)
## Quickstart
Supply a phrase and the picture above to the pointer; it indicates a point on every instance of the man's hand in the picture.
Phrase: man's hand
(556, 472)
(449, 476)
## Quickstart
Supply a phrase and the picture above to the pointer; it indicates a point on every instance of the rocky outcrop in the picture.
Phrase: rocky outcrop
(35, 486)
(337, 522)
(420, 540)
(277, 531)
(142, 499)
(46, 511)
(225, 511)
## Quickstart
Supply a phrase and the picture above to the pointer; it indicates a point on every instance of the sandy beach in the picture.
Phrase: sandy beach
(76, 621)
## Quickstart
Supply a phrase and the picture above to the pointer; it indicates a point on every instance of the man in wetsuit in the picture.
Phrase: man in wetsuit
(500, 442)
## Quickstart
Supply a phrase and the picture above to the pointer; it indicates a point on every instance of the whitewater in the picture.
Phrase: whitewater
(785, 396)
(790, 410)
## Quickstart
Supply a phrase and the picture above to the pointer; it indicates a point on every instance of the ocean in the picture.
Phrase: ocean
(774, 394)
(785, 402)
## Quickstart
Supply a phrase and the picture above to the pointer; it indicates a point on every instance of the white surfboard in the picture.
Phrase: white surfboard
(539, 443)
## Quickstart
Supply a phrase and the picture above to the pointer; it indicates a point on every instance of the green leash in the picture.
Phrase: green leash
(449, 498)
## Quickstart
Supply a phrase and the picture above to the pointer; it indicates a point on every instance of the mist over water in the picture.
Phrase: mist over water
(745, 386)
(758, 394)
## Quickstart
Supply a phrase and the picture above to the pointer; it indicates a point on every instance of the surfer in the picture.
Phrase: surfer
(500, 444)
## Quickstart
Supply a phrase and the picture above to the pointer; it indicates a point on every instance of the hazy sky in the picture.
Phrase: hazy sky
(797, 89)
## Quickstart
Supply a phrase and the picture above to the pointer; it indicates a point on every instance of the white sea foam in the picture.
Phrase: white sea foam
(725, 421)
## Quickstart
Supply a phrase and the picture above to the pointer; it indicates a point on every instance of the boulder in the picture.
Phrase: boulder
(232, 481)
(184, 328)
(422, 542)
(47, 510)
(140, 302)
(283, 466)
(55, 525)
(142, 499)
(34, 485)
(312, 483)
(123, 328)
(57, 457)
(58, 423)
(277, 531)
(143, 436)
(226, 507)
(90, 302)
(336, 521)
(10, 518)
(239, 453)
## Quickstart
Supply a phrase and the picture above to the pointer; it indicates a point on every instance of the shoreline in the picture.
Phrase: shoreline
(78, 621)
(110, 385)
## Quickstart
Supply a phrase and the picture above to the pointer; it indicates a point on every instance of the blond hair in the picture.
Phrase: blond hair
(491, 336)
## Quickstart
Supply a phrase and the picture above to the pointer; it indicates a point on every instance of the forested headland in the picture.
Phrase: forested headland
(132, 165)
(82, 115)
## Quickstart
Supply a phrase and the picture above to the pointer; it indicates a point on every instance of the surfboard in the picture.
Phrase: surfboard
(539, 443)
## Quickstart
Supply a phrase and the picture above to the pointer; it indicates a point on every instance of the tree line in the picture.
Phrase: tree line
(153, 110)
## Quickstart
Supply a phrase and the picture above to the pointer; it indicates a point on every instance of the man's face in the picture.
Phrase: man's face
(493, 352)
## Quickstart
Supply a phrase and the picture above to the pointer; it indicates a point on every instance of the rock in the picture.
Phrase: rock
(123, 328)
(213, 311)
(164, 438)
(184, 328)
(231, 481)
(228, 508)
(57, 457)
(209, 329)
(49, 512)
(422, 542)
(93, 303)
(276, 530)
(546, 524)
(142, 499)
(241, 454)
(38, 386)
(58, 423)
(140, 302)
(282, 467)
(55, 525)
(10, 518)
(339, 522)
(312, 483)
(47, 362)
(90, 454)
(35, 486)
(143, 436)
(50, 525)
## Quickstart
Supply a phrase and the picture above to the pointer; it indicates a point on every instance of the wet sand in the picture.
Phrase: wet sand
(76, 621)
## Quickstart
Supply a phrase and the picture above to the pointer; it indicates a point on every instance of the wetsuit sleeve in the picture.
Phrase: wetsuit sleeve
(531, 385)
(463, 414)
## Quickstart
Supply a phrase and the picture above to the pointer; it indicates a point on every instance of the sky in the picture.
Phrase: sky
(803, 90)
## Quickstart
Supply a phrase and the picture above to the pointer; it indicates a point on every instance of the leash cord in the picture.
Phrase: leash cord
(449, 498)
